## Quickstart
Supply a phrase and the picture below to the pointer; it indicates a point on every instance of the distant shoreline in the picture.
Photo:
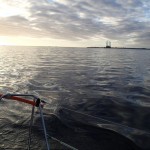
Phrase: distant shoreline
(121, 48)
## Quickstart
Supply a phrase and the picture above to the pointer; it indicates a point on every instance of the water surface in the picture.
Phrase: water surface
(110, 87)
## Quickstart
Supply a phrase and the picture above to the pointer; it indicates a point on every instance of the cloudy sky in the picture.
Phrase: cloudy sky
(75, 22)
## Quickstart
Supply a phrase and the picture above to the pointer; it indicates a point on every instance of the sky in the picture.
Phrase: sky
(75, 23)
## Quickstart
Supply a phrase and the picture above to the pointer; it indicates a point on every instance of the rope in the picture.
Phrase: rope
(63, 143)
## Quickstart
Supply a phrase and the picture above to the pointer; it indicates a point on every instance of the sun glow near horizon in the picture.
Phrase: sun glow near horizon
(5, 41)
(28, 41)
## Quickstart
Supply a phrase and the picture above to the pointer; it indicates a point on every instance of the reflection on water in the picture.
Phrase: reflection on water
(109, 84)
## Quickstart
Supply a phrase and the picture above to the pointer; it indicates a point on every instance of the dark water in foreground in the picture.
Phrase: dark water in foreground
(103, 88)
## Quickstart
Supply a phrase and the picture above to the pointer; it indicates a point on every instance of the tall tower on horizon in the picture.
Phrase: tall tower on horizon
(108, 44)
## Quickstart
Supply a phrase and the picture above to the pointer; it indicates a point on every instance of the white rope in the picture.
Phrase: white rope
(63, 143)
(43, 123)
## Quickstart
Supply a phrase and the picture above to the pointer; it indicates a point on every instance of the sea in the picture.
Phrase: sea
(97, 98)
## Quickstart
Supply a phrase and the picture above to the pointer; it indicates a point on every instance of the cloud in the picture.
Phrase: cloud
(78, 20)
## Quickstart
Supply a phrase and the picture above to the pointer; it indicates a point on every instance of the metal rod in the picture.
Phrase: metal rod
(43, 123)
(22, 95)
(30, 128)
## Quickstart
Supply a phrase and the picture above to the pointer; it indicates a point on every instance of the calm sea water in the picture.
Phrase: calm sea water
(110, 88)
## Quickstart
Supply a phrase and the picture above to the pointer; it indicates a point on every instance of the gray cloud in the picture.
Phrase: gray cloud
(124, 21)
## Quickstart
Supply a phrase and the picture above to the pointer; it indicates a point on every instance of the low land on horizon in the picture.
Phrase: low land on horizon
(121, 48)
